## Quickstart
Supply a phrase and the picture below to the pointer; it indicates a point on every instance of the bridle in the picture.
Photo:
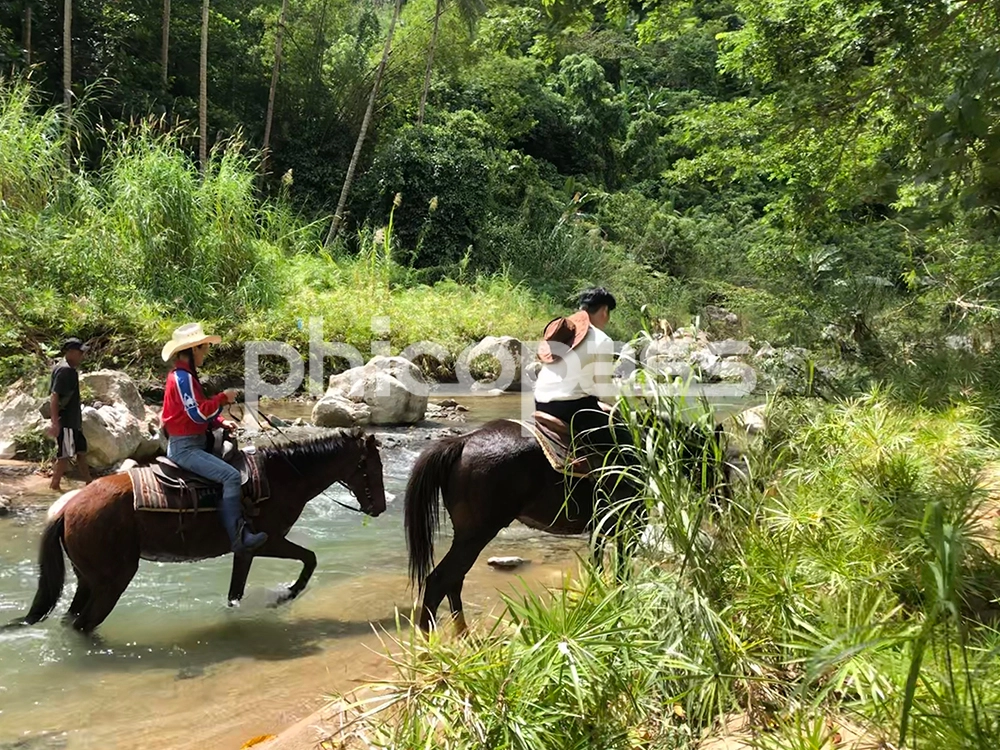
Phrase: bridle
(362, 465)
(363, 468)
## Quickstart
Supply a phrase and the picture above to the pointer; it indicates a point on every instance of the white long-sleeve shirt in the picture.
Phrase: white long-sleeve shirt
(584, 371)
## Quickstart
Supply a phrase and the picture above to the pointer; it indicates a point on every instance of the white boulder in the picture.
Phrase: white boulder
(499, 360)
(18, 414)
(387, 390)
(114, 387)
(753, 420)
(113, 434)
(334, 410)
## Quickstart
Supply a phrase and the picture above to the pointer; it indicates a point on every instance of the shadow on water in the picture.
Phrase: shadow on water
(196, 649)
(53, 741)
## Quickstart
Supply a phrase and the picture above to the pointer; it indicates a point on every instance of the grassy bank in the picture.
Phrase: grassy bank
(850, 584)
(122, 254)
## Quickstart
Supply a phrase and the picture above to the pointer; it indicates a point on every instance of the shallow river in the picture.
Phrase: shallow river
(173, 667)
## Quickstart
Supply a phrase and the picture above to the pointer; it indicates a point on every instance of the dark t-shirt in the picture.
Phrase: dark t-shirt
(66, 383)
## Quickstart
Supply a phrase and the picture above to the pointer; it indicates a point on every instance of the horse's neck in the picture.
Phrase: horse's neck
(303, 478)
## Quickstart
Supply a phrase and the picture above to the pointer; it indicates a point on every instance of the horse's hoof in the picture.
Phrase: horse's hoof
(284, 596)
(233, 603)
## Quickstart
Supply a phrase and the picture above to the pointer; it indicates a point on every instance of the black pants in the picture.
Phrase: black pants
(589, 423)
(590, 426)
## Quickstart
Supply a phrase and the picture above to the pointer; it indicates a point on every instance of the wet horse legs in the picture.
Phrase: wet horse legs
(278, 548)
(447, 578)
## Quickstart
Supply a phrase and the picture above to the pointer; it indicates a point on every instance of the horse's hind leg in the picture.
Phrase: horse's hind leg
(449, 576)
(80, 598)
(103, 599)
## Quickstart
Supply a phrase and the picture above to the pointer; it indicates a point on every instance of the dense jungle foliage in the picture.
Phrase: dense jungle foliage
(825, 169)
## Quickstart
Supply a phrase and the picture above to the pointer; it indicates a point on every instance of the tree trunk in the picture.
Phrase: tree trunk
(432, 45)
(27, 36)
(338, 215)
(67, 54)
(203, 91)
(278, 35)
(165, 45)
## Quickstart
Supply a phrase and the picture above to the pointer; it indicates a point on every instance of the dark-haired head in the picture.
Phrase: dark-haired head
(598, 302)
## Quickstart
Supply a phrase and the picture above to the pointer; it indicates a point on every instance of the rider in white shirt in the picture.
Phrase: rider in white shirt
(577, 364)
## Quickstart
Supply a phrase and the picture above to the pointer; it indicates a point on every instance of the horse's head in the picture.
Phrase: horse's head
(365, 481)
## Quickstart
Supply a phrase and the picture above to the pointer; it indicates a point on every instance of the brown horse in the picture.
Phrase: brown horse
(497, 474)
(105, 537)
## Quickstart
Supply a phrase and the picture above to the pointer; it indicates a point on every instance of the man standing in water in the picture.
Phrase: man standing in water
(67, 419)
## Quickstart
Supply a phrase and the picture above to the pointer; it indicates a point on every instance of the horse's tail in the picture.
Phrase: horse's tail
(53, 572)
(422, 508)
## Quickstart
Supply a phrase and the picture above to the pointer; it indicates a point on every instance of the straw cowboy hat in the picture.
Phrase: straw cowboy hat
(568, 332)
(187, 337)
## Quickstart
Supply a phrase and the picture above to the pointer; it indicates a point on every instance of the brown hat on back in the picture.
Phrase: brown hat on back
(568, 332)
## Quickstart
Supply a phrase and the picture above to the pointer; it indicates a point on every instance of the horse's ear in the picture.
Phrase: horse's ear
(371, 442)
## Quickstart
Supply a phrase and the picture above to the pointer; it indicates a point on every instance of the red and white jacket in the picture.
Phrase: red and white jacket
(186, 411)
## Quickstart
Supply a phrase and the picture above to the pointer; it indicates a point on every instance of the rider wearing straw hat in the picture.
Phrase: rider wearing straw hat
(188, 416)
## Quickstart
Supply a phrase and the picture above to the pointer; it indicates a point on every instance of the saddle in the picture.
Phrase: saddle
(166, 487)
(553, 437)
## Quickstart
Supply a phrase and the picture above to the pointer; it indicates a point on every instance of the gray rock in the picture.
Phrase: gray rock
(713, 312)
(678, 349)
(113, 434)
(705, 362)
(112, 387)
(4, 506)
(153, 441)
(334, 410)
(668, 368)
(628, 361)
(497, 359)
(766, 352)
(753, 420)
(731, 371)
(18, 414)
(729, 348)
(386, 391)
(505, 563)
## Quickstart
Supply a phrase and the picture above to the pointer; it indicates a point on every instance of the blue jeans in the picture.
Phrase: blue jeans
(188, 452)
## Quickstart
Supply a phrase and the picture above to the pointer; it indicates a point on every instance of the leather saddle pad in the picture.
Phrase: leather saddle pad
(554, 439)
(166, 487)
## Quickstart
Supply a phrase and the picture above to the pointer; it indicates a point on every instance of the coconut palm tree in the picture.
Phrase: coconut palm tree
(338, 216)
(27, 34)
(470, 11)
(165, 44)
(278, 36)
(67, 54)
(203, 90)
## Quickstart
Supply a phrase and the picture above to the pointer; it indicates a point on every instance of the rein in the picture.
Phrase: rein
(258, 413)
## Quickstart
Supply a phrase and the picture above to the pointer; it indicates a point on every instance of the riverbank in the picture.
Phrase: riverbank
(846, 597)
(214, 677)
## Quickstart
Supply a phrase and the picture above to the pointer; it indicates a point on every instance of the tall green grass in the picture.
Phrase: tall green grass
(143, 242)
(845, 581)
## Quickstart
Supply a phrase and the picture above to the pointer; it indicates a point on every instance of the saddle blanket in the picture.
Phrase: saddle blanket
(557, 451)
(151, 495)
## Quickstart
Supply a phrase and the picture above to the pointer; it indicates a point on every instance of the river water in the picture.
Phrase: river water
(173, 667)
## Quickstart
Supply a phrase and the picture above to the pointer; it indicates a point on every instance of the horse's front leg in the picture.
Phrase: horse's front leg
(238, 581)
(283, 549)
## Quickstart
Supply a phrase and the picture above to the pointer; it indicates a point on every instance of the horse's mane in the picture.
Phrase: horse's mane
(316, 447)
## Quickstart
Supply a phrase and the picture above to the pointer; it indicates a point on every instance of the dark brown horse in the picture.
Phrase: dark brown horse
(105, 537)
(498, 474)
